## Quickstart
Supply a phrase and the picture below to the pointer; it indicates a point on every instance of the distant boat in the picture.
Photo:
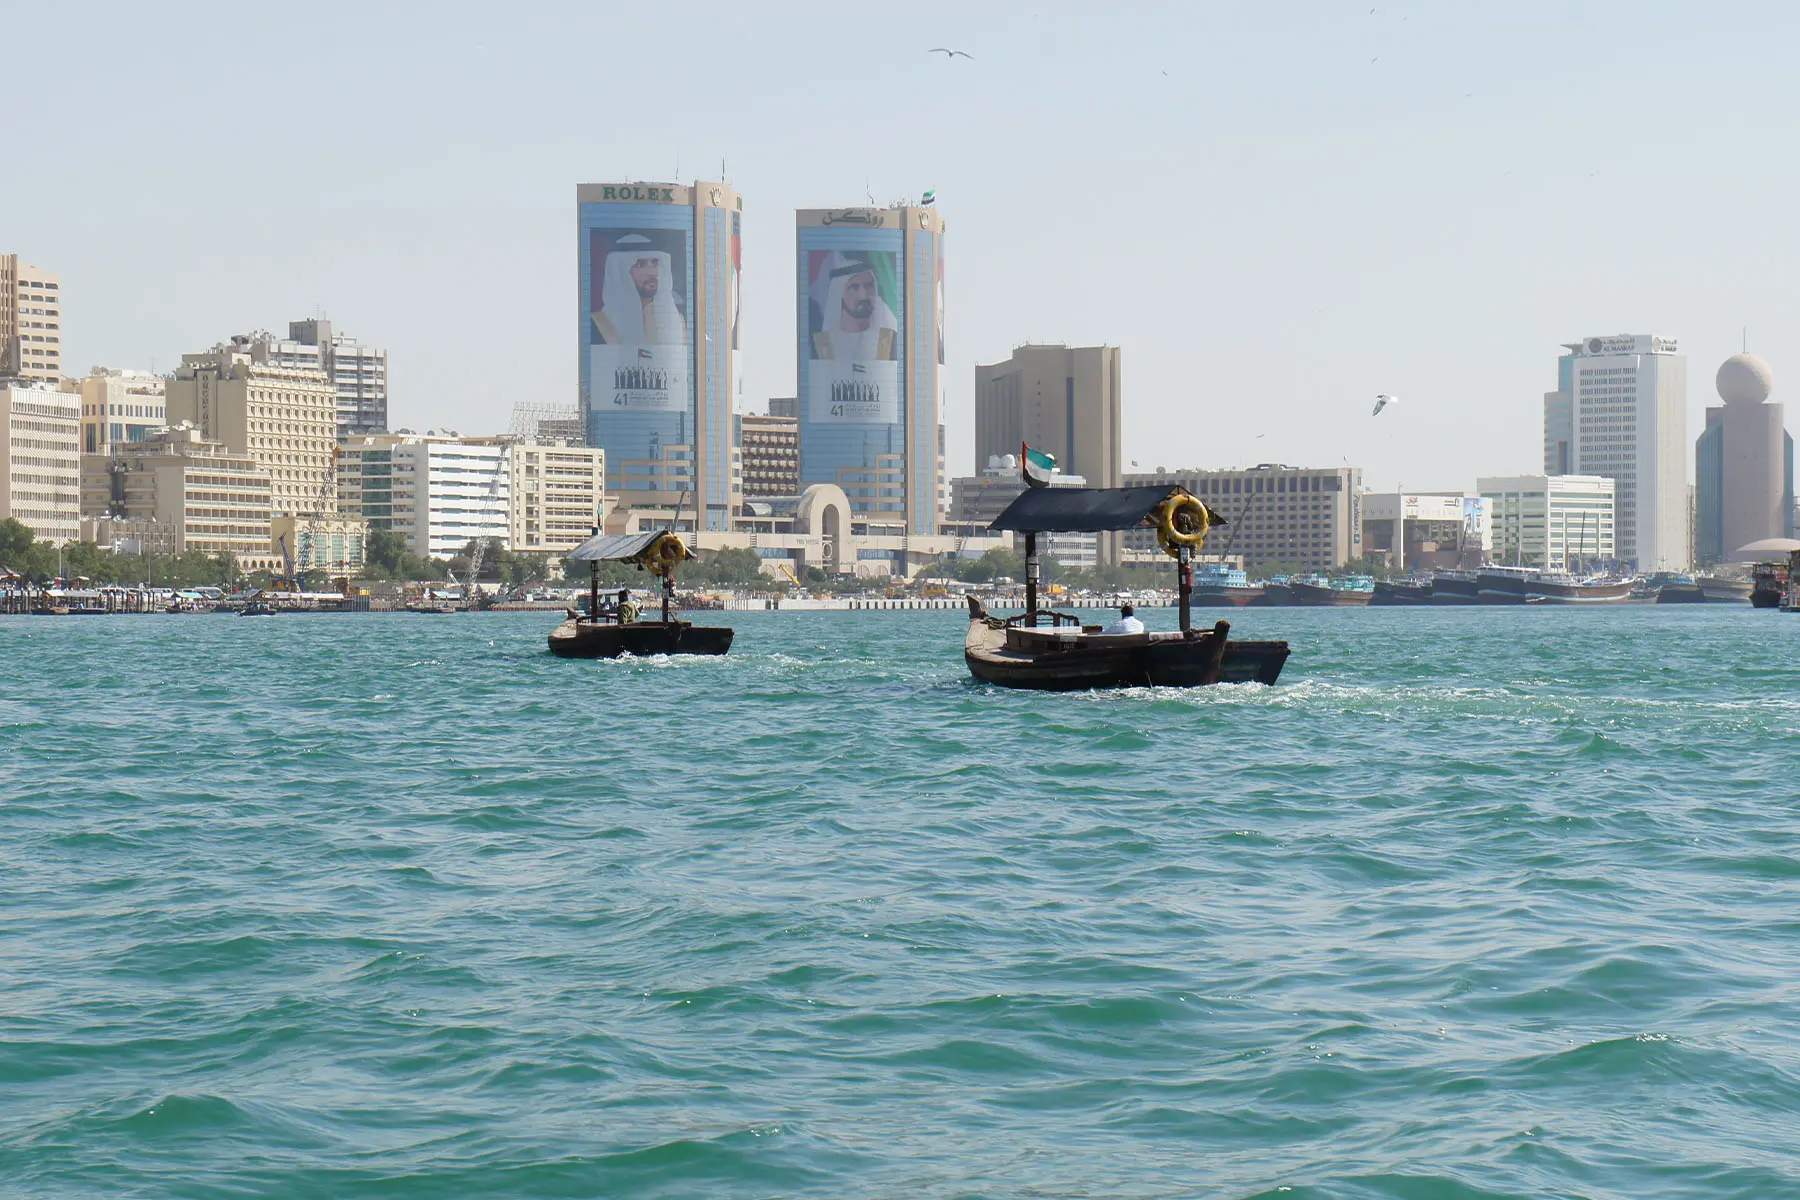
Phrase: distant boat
(1402, 592)
(1318, 591)
(1516, 585)
(1219, 586)
(610, 633)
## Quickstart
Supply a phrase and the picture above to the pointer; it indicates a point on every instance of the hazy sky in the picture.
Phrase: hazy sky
(1277, 209)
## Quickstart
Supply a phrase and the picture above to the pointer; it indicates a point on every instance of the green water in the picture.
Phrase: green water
(1475, 903)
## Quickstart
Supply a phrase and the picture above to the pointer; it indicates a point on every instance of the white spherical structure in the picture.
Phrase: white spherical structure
(1745, 379)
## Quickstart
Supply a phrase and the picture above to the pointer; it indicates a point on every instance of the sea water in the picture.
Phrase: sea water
(1474, 903)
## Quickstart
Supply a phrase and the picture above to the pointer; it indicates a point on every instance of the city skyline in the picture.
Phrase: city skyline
(1389, 223)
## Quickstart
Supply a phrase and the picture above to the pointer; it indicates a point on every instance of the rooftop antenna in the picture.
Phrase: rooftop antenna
(678, 168)
(723, 177)
(1746, 339)
(869, 191)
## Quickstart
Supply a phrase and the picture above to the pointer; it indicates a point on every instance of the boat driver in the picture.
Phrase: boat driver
(1126, 623)
(627, 607)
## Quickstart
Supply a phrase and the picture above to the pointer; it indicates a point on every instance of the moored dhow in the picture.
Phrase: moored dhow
(1455, 587)
(1525, 585)
(1219, 585)
(1045, 650)
(1319, 591)
(1401, 592)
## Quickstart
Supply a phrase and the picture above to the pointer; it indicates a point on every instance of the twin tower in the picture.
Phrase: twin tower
(659, 331)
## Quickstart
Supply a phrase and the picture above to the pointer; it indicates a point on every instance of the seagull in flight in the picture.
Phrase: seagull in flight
(1382, 401)
(949, 53)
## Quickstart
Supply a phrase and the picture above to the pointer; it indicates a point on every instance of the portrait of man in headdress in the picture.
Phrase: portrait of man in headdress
(638, 302)
(854, 320)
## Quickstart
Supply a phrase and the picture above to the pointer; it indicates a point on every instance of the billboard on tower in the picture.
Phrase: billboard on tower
(854, 329)
(640, 333)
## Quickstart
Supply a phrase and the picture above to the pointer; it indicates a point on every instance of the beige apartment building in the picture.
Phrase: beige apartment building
(283, 417)
(1307, 518)
(40, 459)
(119, 406)
(30, 322)
(556, 496)
(195, 493)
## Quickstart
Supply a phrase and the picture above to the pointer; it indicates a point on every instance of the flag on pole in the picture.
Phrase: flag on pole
(1036, 466)
(928, 199)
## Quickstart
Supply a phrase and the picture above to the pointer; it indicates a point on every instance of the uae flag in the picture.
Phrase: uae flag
(1036, 466)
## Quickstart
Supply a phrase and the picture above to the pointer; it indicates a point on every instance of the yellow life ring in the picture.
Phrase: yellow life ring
(670, 551)
(1182, 521)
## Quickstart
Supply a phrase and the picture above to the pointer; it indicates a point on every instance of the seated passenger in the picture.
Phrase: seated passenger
(1125, 624)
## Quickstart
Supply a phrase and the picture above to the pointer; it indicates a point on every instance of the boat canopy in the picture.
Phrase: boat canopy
(1085, 510)
(618, 547)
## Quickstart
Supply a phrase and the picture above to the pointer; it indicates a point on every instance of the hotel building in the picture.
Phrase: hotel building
(770, 454)
(1307, 519)
(30, 322)
(557, 492)
(359, 372)
(195, 493)
(870, 348)
(657, 318)
(253, 396)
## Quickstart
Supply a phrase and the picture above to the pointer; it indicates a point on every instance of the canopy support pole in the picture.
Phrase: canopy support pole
(668, 592)
(594, 580)
(1185, 570)
(1031, 579)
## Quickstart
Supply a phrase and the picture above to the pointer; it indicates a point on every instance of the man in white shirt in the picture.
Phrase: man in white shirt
(1126, 622)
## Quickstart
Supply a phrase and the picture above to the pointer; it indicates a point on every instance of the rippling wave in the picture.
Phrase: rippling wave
(1476, 903)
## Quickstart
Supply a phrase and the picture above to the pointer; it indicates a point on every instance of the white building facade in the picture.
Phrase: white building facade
(1629, 424)
(1552, 522)
(557, 493)
(40, 460)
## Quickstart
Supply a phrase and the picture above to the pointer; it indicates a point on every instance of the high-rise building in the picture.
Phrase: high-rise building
(195, 492)
(658, 282)
(359, 372)
(557, 494)
(1744, 465)
(870, 346)
(119, 406)
(1559, 415)
(770, 453)
(266, 402)
(1551, 522)
(1629, 419)
(1303, 518)
(30, 322)
(40, 459)
(1061, 400)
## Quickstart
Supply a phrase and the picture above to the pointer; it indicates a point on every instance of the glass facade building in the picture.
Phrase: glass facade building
(657, 311)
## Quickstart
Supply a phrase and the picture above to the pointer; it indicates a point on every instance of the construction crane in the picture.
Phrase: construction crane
(479, 555)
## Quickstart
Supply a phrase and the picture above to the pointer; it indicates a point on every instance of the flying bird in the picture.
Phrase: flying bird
(1382, 401)
(949, 53)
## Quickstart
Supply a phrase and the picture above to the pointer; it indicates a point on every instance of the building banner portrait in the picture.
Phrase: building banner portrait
(639, 336)
(854, 335)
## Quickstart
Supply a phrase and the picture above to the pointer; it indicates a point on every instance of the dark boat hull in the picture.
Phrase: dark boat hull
(584, 639)
(1275, 595)
(1455, 591)
(1513, 589)
(1401, 594)
(1680, 593)
(1313, 596)
(1131, 660)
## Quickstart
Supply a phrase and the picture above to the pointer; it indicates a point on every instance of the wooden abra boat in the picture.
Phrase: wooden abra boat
(615, 630)
(1053, 651)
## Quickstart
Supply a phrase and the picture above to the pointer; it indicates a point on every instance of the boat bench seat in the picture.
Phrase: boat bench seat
(1067, 638)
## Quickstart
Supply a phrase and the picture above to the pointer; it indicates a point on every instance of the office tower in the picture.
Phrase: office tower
(271, 402)
(870, 345)
(439, 490)
(1423, 531)
(1744, 465)
(976, 500)
(40, 459)
(658, 313)
(1061, 400)
(784, 406)
(1629, 416)
(1304, 518)
(359, 372)
(1559, 415)
(30, 322)
(1551, 522)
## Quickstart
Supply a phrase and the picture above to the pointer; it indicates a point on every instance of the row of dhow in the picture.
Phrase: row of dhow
(1220, 586)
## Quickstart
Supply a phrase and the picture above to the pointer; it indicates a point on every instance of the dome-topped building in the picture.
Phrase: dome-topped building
(1744, 466)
